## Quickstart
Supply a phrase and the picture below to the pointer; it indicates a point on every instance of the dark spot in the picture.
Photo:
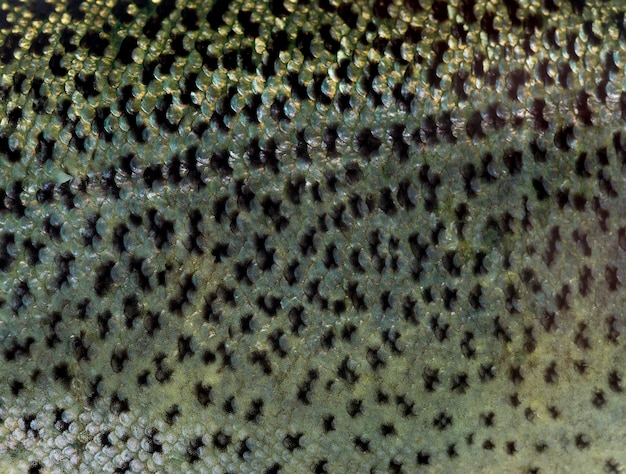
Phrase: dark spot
(125, 53)
(582, 441)
(615, 381)
(94, 42)
(193, 451)
(292, 441)
(119, 357)
(611, 277)
(599, 399)
(189, 18)
(62, 374)
(221, 440)
(368, 144)
(442, 421)
(104, 278)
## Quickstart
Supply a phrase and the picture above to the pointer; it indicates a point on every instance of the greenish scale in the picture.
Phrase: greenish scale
(312, 236)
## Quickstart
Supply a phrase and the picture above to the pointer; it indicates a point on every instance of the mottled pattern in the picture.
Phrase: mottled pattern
(315, 236)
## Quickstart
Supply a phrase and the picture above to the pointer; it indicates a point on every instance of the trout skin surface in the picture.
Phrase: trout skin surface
(312, 236)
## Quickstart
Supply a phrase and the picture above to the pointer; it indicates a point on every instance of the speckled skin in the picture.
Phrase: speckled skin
(312, 237)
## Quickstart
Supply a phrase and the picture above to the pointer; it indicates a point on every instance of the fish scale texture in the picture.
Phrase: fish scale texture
(312, 236)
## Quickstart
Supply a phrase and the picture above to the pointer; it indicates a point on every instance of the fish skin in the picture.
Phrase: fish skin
(291, 237)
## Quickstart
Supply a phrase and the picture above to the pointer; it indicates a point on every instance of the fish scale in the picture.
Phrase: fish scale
(312, 236)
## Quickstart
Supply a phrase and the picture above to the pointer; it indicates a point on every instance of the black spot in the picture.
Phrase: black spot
(125, 53)
(154, 446)
(431, 379)
(62, 272)
(104, 278)
(172, 414)
(120, 11)
(593, 39)
(513, 161)
(40, 9)
(368, 144)
(611, 277)
(362, 444)
(347, 15)
(119, 357)
(20, 293)
(16, 387)
(583, 110)
(161, 229)
(615, 381)
(86, 85)
(247, 60)
(6, 259)
(277, 8)
(152, 174)
(56, 67)
(346, 373)
(193, 451)
(292, 441)
(73, 8)
(577, 6)
(189, 18)
(13, 154)
(459, 383)
(251, 29)
(564, 72)
(330, 43)
(39, 43)
(66, 40)
(273, 469)
(440, 10)
(99, 125)
(103, 323)
(442, 421)
(262, 157)
(487, 25)
(612, 466)
(4, 23)
(516, 374)
(94, 42)
(62, 374)
(381, 8)
(582, 441)
(255, 411)
(548, 321)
